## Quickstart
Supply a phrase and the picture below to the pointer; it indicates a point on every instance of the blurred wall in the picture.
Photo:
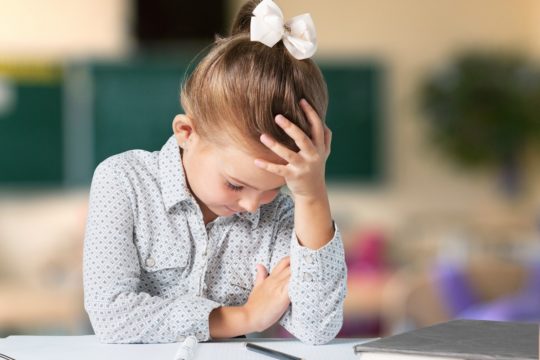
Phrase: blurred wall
(410, 38)
(535, 34)
(56, 29)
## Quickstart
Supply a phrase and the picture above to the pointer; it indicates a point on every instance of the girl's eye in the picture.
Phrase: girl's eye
(234, 187)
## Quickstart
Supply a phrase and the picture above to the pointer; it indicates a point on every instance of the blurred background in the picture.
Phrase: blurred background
(434, 177)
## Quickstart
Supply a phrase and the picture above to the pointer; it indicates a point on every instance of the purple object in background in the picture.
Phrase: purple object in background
(454, 287)
(521, 306)
(459, 298)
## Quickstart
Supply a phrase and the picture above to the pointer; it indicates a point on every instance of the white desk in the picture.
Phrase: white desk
(89, 348)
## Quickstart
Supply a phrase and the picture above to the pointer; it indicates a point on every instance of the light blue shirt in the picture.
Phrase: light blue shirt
(153, 271)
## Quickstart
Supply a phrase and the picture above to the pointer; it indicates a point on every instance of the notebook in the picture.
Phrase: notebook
(457, 340)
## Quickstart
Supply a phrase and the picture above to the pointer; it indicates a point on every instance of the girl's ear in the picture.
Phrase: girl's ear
(182, 128)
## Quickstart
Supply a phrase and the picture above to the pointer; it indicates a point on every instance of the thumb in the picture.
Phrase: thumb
(262, 274)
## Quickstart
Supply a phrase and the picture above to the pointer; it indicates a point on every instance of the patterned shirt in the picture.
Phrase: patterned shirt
(153, 271)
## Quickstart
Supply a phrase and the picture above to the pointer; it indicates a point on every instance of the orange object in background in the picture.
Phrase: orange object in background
(41, 239)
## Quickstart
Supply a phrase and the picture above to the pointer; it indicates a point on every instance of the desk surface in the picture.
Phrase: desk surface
(88, 347)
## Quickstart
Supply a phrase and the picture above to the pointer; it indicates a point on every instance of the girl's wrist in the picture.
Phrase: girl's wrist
(313, 221)
(312, 199)
(229, 321)
(250, 318)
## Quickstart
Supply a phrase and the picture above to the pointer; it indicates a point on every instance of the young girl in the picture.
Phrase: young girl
(197, 239)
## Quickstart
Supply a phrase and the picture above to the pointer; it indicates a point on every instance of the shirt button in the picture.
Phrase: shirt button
(308, 277)
(308, 259)
(150, 262)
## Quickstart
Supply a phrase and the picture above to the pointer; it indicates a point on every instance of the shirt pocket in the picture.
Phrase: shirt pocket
(158, 262)
(164, 266)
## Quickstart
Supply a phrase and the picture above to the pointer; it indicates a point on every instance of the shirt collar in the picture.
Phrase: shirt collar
(171, 174)
(174, 188)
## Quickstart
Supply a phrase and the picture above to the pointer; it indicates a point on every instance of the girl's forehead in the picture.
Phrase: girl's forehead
(236, 160)
(235, 152)
(239, 145)
(239, 163)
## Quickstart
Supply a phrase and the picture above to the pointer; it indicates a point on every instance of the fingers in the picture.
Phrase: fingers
(282, 271)
(262, 274)
(282, 264)
(300, 138)
(317, 128)
(304, 143)
(282, 151)
(280, 274)
(284, 275)
(309, 148)
(279, 170)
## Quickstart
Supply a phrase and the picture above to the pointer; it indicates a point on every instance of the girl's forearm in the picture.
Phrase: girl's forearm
(313, 221)
(229, 321)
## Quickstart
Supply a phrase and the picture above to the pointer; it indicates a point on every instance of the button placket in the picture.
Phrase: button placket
(201, 252)
(308, 258)
(203, 264)
(213, 232)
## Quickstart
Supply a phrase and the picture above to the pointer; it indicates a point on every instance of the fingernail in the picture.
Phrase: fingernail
(266, 139)
(280, 119)
(259, 163)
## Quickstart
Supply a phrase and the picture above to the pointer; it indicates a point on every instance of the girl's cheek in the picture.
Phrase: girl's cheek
(269, 197)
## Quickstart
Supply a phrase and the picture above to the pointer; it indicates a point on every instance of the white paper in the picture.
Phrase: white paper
(89, 348)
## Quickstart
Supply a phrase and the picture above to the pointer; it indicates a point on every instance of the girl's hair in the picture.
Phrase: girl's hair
(241, 85)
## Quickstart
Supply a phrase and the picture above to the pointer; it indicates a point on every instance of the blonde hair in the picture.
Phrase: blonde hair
(241, 85)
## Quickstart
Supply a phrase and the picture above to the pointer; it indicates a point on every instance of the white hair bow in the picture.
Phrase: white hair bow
(298, 34)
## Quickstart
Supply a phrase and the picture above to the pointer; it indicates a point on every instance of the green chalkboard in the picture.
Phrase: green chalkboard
(60, 125)
(134, 105)
(31, 133)
(354, 118)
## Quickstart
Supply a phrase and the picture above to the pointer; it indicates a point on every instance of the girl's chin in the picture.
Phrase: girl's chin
(229, 211)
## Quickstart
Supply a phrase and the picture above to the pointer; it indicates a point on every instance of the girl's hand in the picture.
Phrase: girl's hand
(304, 171)
(269, 298)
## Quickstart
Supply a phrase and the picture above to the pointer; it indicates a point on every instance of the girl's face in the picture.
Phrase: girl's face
(224, 180)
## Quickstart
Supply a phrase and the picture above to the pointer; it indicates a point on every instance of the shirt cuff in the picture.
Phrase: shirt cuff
(198, 315)
(309, 266)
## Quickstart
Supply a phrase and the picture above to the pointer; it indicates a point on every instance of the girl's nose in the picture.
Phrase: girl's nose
(250, 202)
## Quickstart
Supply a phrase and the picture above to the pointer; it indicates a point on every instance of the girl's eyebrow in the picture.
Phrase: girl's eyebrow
(250, 186)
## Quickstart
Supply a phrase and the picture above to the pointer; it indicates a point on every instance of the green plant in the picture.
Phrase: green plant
(484, 109)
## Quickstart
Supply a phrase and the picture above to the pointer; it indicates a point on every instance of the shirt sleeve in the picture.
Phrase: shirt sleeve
(318, 283)
(118, 312)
